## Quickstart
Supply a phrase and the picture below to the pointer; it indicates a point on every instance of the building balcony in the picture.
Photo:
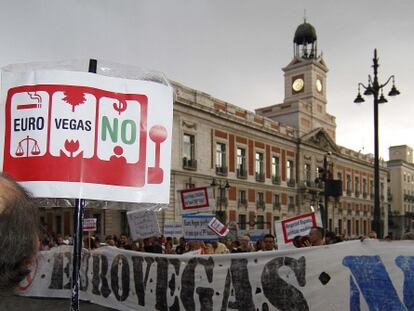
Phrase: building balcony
(260, 177)
(365, 213)
(221, 170)
(307, 184)
(291, 182)
(260, 205)
(364, 195)
(291, 207)
(242, 203)
(348, 192)
(241, 173)
(189, 164)
(357, 193)
(276, 180)
(277, 206)
(349, 211)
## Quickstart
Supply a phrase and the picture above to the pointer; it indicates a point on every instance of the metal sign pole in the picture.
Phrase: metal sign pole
(77, 234)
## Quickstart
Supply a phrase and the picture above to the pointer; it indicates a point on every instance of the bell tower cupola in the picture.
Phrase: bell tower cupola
(305, 41)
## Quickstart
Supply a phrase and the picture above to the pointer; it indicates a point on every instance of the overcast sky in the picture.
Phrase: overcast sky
(233, 49)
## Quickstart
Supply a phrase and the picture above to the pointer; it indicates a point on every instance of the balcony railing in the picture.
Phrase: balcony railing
(291, 207)
(241, 173)
(260, 177)
(276, 180)
(357, 193)
(189, 164)
(260, 205)
(242, 203)
(221, 170)
(291, 182)
(276, 206)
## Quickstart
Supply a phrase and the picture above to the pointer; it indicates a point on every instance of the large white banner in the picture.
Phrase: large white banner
(82, 135)
(368, 275)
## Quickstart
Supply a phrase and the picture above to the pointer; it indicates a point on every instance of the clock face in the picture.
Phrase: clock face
(297, 85)
(319, 85)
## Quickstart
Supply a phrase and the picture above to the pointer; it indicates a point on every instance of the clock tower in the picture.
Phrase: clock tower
(304, 105)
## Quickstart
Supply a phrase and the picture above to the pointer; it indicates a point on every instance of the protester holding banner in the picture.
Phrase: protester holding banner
(269, 243)
(316, 236)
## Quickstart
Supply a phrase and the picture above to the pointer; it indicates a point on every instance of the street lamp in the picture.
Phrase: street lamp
(376, 89)
(222, 185)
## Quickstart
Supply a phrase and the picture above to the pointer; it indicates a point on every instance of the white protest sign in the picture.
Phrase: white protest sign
(143, 224)
(68, 134)
(217, 227)
(195, 227)
(197, 200)
(254, 234)
(173, 229)
(355, 275)
(89, 224)
(300, 225)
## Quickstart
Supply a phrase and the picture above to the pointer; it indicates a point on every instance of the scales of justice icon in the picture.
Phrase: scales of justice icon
(27, 147)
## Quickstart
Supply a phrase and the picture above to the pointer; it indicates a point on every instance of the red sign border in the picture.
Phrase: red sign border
(186, 208)
(283, 222)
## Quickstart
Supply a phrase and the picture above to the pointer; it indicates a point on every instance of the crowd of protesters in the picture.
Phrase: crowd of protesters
(169, 245)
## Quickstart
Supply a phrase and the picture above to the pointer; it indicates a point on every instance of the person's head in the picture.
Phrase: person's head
(19, 225)
(244, 242)
(109, 240)
(268, 242)
(300, 241)
(123, 239)
(182, 241)
(316, 235)
(331, 238)
(372, 235)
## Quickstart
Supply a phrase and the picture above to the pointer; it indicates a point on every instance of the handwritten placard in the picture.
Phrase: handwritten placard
(173, 229)
(196, 227)
(197, 200)
(143, 224)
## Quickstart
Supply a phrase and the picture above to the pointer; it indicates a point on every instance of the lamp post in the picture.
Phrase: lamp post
(222, 186)
(376, 89)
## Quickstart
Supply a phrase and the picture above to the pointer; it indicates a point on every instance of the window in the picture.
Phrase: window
(339, 176)
(259, 166)
(260, 200)
(291, 203)
(356, 185)
(340, 226)
(364, 185)
(348, 227)
(241, 162)
(307, 173)
(276, 198)
(371, 186)
(348, 183)
(188, 147)
(289, 169)
(242, 222)
(221, 158)
(275, 167)
(242, 198)
(260, 222)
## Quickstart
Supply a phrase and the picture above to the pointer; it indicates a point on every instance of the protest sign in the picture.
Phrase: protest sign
(89, 224)
(195, 227)
(197, 200)
(143, 224)
(254, 234)
(173, 229)
(217, 227)
(68, 134)
(300, 225)
(368, 275)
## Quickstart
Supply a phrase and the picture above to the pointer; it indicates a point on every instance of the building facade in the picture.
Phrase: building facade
(401, 189)
(264, 165)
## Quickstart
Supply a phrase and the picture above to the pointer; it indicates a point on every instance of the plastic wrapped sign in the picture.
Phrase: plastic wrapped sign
(83, 135)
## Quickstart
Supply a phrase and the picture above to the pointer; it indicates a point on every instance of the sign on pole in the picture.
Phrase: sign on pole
(143, 224)
(197, 200)
(89, 224)
(173, 229)
(81, 135)
(287, 229)
(196, 227)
